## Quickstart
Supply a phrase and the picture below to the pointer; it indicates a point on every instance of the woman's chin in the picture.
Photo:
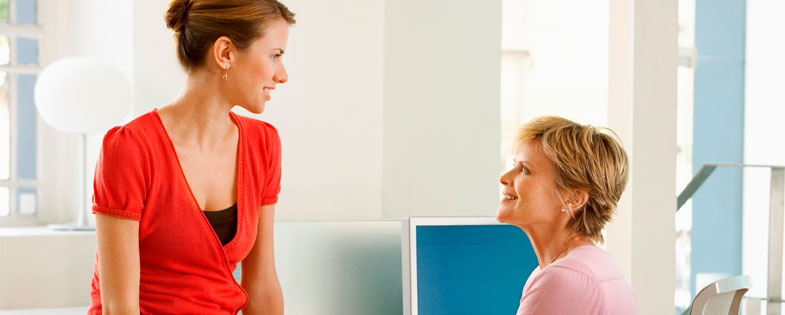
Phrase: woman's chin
(501, 216)
(508, 215)
(258, 109)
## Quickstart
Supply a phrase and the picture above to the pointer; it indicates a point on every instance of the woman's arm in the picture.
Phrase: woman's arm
(259, 277)
(118, 268)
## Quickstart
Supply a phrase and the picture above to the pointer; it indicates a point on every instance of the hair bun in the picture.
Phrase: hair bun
(177, 13)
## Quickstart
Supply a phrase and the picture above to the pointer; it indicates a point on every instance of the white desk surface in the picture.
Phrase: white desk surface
(48, 311)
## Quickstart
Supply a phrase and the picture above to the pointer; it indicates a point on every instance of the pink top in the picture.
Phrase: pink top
(586, 281)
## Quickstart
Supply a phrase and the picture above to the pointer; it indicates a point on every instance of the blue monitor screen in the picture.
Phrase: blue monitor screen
(471, 269)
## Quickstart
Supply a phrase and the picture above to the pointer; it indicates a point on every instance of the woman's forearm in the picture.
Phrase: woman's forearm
(265, 300)
(118, 264)
(120, 310)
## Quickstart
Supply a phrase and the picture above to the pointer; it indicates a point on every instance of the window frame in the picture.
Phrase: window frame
(13, 69)
(688, 58)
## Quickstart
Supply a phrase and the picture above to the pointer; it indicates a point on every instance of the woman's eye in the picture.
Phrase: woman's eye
(520, 167)
(276, 56)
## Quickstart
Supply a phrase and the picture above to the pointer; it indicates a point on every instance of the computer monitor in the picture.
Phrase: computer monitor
(463, 265)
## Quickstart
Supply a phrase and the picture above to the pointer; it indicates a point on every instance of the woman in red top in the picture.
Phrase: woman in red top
(185, 192)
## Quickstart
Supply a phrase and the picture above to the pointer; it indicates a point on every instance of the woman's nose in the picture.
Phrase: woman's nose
(504, 179)
(281, 76)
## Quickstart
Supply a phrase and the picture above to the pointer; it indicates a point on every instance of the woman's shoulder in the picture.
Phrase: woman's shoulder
(567, 276)
(256, 128)
(140, 125)
(592, 261)
(600, 274)
(579, 273)
(589, 276)
(134, 136)
(551, 284)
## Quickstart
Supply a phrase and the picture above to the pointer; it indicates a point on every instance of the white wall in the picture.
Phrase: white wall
(328, 114)
(371, 121)
(441, 108)
(157, 77)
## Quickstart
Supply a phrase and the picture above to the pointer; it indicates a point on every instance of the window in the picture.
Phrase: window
(20, 35)
(554, 62)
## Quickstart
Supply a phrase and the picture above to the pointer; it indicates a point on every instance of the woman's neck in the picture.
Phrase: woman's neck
(199, 117)
(552, 243)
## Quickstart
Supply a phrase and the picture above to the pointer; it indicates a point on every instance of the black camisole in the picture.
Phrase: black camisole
(224, 222)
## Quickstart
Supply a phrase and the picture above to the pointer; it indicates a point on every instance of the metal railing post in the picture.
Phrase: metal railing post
(776, 205)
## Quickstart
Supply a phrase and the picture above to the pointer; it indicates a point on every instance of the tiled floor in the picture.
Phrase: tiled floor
(47, 311)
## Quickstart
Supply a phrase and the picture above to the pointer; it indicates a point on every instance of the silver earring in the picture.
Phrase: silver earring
(566, 209)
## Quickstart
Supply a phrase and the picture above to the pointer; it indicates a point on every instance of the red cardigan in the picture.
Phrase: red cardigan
(184, 268)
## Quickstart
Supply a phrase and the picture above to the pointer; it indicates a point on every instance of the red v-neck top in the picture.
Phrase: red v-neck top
(184, 268)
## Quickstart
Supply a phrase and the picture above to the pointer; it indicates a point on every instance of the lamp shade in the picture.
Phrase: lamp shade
(82, 95)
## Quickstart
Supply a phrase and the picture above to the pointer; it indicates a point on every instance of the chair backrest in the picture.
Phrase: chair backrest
(722, 297)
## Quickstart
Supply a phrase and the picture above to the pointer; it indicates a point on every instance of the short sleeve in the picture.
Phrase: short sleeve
(272, 180)
(562, 291)
(122, 175)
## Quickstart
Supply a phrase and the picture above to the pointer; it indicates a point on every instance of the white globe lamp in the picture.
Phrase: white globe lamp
(82, 95)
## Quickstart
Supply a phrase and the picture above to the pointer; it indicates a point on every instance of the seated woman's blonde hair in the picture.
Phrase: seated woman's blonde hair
(584, 157)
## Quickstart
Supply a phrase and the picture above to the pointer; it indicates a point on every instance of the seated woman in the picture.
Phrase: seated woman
(562, 189)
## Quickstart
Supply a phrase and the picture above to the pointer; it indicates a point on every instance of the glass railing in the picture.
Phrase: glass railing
(773, 297)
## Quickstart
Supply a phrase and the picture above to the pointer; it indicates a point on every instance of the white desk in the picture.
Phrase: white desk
(48, 311)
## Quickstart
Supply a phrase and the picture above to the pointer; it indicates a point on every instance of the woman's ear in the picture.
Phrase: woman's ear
(222, 52)
(578, 198)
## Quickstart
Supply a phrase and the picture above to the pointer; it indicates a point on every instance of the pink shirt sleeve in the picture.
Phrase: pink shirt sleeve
(559, 290)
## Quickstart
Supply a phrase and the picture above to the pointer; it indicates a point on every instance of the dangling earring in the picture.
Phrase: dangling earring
(225, 76)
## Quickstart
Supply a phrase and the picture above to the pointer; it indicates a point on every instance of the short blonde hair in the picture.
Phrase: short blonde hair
(585, 157)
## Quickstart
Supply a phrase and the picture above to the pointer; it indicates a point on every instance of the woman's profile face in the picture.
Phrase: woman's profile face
(529, 194)
(259, 68)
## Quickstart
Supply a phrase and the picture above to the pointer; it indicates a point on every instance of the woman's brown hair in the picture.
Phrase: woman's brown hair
(198, 23)
(585, 157)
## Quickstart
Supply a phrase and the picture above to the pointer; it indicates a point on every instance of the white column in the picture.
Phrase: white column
(642, 110)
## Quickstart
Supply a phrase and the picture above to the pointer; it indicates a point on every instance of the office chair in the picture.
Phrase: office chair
(722, 297)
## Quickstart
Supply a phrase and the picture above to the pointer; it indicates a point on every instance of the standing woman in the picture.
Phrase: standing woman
(563, 187)
(187, 191)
